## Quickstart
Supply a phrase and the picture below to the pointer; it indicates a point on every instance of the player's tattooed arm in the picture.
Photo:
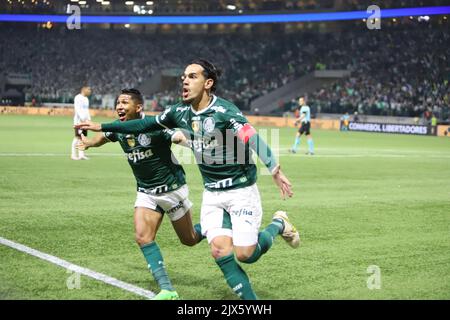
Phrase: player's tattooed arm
(131, 126)
(146, 124)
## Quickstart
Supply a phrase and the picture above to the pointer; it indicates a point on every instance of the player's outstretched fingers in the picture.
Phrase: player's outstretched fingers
(288, 190)
(83, 137)
(88, 125)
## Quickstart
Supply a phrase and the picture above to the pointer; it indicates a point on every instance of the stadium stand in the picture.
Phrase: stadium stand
(402, 70)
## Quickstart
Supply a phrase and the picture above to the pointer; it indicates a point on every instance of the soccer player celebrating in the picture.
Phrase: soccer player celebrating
(221, 139)
(81, 113)
(305, 127)
(161, 186)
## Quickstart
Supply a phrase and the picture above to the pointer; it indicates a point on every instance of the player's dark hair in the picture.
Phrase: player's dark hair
(135, 94)
(209, 71)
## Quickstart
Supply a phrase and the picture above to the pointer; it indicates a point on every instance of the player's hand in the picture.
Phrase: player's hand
(83, 143)
(282, 182)
(88, 125)
(179, 138)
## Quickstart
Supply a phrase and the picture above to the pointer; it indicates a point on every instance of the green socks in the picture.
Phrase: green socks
(155, 261)
(198, 231)
(236, 277)
(265, 240)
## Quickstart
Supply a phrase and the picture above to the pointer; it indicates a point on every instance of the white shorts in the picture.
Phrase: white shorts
(174, 203)
(242, 206)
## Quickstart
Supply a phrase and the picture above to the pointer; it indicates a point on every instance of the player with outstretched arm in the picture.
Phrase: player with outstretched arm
(161, 186)
(221, 138)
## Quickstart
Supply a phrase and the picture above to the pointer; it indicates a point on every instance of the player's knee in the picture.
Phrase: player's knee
(244, 253)
(144, 238)
(219, 250)
(218, 253)
(243, 256)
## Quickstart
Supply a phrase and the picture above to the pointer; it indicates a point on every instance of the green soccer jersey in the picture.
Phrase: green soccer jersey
(154, 166)
(224, 160)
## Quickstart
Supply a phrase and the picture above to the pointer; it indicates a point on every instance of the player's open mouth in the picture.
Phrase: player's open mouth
(185, 92)
(122, 115)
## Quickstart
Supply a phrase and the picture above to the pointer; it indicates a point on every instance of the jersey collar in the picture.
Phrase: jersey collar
(204, 110)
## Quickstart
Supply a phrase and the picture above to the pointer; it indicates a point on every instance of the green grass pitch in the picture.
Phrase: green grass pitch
(363, 199)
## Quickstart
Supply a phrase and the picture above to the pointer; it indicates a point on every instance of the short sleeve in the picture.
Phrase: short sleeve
(167, 134)
(167, 118)
(111, 136)
(235, 119)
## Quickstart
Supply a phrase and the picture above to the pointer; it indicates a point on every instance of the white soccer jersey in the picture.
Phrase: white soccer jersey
(81, 106)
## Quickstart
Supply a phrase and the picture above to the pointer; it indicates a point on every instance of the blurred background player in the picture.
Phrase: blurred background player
(305, 127)
(345, 120)
(81, 113)
(161, 186)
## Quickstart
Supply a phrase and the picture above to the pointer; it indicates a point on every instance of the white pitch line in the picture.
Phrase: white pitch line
(84, 271)
(369, 156)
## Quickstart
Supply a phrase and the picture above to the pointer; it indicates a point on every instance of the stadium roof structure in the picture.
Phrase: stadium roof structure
(247, 18)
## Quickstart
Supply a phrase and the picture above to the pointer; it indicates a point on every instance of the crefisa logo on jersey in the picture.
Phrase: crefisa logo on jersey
(144, 140)
(130, 140)
(209, 124)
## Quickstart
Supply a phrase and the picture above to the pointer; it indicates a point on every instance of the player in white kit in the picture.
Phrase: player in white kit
(81, 113)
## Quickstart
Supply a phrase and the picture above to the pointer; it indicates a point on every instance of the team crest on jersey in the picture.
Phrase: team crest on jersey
(209, 124)
(196, 125)
(130, 140)
(144, 140)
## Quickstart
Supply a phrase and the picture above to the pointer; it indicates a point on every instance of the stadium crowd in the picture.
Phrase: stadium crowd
(402, 73)
(399, 70)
